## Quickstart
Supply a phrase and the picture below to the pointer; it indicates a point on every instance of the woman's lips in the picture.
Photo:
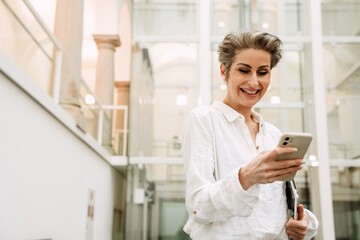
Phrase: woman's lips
(251, 92)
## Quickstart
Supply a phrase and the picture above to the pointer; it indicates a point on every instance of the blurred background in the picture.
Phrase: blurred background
(93, 96)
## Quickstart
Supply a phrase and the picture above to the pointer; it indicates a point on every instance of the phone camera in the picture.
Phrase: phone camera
(287, 139)
(284, 143)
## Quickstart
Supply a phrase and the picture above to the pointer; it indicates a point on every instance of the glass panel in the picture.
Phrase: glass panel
(279, 17)
(173, 216)
(342, 75)
(347, 214)
(27, 19)
(90, 109)
(164, 97)
(337, 16)
(226, 17)
(141, 104)
(113, 134)
(287, 120)
(170, 111)
(172, 18)
(21, 47)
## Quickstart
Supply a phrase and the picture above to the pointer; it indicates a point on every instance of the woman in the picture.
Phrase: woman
(229, 151)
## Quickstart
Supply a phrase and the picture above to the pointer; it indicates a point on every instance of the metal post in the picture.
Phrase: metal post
(145, 218)
(323, 170)
(57, 75)
(100, 126)
(125, 130)
(204, 56)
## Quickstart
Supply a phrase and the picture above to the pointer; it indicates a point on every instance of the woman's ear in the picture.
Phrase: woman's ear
(222, 71)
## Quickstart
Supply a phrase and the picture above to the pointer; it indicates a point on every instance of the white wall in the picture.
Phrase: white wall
(45, 174)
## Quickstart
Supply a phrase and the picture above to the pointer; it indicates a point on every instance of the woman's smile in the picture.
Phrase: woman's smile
(250, 92)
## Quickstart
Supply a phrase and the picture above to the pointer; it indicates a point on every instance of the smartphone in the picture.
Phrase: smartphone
(301, 141)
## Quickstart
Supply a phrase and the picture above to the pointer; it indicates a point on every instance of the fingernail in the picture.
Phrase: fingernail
(294, 149)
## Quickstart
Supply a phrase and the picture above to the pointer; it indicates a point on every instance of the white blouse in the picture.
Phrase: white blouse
(216, 143)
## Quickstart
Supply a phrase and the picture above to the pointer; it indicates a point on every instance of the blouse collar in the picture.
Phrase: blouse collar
(231, 114)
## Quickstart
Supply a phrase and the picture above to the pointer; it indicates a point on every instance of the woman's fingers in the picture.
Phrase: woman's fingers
(282, 150)
(280, 174)
(294, 235)
(283, 164)
(264, 168)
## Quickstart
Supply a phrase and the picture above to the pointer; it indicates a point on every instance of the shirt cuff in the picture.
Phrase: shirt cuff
(313, 225)
(249, 198)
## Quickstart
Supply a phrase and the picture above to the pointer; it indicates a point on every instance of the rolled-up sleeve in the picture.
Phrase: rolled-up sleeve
(312, 227)
(208, 200)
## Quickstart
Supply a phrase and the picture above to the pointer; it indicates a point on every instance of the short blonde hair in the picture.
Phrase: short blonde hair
(234, 42)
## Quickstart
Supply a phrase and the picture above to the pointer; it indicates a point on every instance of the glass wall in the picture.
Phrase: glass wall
(164, 18)
(172, 90)
(159, 102)
(341, 53)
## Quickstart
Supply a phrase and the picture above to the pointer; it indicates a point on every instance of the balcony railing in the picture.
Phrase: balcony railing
(106, 123)
(26, 39)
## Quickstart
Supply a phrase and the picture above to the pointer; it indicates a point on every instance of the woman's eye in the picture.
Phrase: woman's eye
(262, 73)
(244, 71)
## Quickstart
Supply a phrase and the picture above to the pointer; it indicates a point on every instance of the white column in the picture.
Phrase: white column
(204, 52)
(104, 86)
(68, 30)
(322, 176)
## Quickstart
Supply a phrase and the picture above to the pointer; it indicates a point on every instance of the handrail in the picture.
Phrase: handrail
(57, 61)
(102, 108)
(56, 58)
(58, 54)
(26, 29)
(42, 24)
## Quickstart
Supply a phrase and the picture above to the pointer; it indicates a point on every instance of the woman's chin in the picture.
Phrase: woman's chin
(248, 102)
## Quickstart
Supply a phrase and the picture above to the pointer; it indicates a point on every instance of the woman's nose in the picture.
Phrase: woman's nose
(253, 81)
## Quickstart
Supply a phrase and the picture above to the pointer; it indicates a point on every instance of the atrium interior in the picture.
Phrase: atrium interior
(94, 94)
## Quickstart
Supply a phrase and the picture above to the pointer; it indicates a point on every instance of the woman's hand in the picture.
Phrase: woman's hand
(296, 229)
(264, 169)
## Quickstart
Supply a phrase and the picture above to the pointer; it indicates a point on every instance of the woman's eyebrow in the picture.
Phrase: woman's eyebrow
(246, 65)
(264, 66)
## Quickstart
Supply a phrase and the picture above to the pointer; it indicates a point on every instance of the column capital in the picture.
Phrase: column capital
(122, 84)
(110, 41)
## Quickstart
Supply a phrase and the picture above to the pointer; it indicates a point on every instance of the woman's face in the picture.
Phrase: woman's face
(249, 78)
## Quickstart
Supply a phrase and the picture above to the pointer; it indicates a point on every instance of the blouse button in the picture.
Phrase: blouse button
(257, 147)
(194, 212)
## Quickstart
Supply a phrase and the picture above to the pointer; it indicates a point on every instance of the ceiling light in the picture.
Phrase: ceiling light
(275, 100)
(89, 99)
(181, 100)
(221, 24)
(199, 100)
(265, 25)
(312, 157)
(314, 163)
(223, 86)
